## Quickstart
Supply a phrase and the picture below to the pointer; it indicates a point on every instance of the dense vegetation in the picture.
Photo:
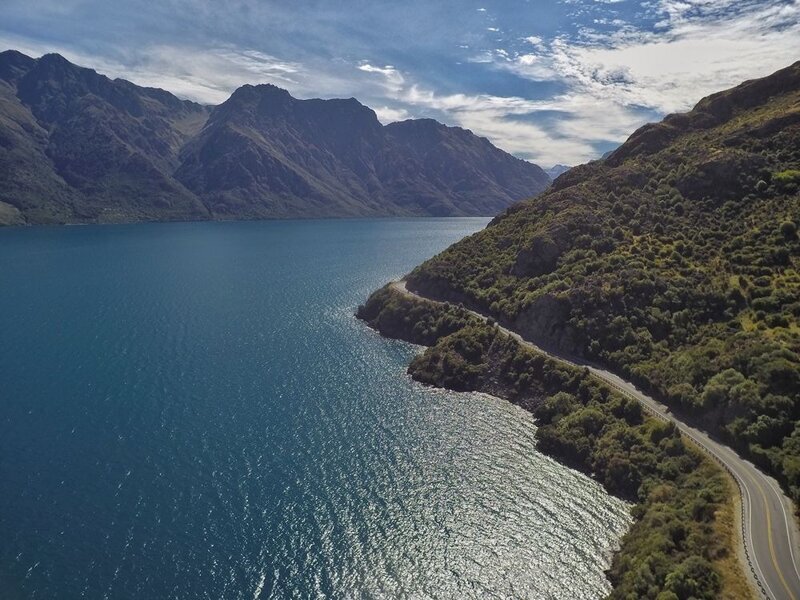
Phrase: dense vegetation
(679, 545)
(674, 262)
(398, 316)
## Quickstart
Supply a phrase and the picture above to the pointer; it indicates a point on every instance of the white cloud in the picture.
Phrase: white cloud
(212, 75)
(694, 57)
(393, 79)
(498, 119)
(387, 114)
(209, 75)
(534, 40)
(700, 47)
(536, 67)
(605, 76)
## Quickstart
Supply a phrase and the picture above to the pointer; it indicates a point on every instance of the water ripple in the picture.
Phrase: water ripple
(191, 411)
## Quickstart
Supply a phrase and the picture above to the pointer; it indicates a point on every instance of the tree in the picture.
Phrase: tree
(621, 477)
(745, 394)
(693, 578)
(789, 230)
(717, 391)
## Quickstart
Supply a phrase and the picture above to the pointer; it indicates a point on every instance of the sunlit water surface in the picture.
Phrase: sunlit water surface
(191, 411)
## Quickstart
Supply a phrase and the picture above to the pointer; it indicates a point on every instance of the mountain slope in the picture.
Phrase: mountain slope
(674, 261)
(76, 146)
(76, 143)
(430, 162)
(268, 154)
(263, 153)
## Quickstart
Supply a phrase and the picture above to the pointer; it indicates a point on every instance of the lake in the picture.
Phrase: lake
(190, 410)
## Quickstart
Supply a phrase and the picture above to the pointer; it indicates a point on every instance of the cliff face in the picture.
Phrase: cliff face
(76, 146)
(674, 261)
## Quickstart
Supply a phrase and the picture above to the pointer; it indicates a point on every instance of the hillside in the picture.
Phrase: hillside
(683, 505)
(76, 146)
(674, 261)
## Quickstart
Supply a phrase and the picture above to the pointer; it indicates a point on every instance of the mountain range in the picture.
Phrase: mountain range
(76, 147)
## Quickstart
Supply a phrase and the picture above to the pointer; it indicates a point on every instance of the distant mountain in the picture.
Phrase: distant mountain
(76, 146)
(557, 170)
(264, 153)
(607, 154)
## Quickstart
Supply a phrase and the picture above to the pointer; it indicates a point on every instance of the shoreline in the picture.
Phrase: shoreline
(768, 560)
(610, 551)
(27, 225)
(734, 583)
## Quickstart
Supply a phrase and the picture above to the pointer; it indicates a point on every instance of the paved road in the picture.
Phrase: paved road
(771, 538)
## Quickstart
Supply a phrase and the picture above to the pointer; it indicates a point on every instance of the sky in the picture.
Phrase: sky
(551, 81)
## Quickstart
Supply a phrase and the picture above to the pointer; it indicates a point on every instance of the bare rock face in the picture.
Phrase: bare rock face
(538, 258)
(545, 322)
(719, 175)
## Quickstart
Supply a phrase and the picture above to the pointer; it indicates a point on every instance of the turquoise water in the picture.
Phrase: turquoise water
(191, 411)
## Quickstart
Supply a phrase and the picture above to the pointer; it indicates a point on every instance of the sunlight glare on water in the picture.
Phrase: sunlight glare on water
(191, 411)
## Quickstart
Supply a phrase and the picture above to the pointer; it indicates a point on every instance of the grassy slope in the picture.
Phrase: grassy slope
(681, 543)
(675, 262)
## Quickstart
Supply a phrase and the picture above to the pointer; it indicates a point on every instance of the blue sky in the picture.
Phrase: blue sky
(549, 81)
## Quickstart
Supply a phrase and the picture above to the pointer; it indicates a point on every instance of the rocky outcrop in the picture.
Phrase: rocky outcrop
(720, 175)
(546, 321)
(538, 258)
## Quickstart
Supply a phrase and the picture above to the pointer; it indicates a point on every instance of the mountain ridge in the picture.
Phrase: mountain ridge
(77, 146)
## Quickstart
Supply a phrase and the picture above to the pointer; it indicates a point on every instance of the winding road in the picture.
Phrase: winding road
(771, 541)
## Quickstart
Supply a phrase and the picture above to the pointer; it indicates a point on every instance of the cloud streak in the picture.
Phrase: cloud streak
(560, 82)
(616, 79)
